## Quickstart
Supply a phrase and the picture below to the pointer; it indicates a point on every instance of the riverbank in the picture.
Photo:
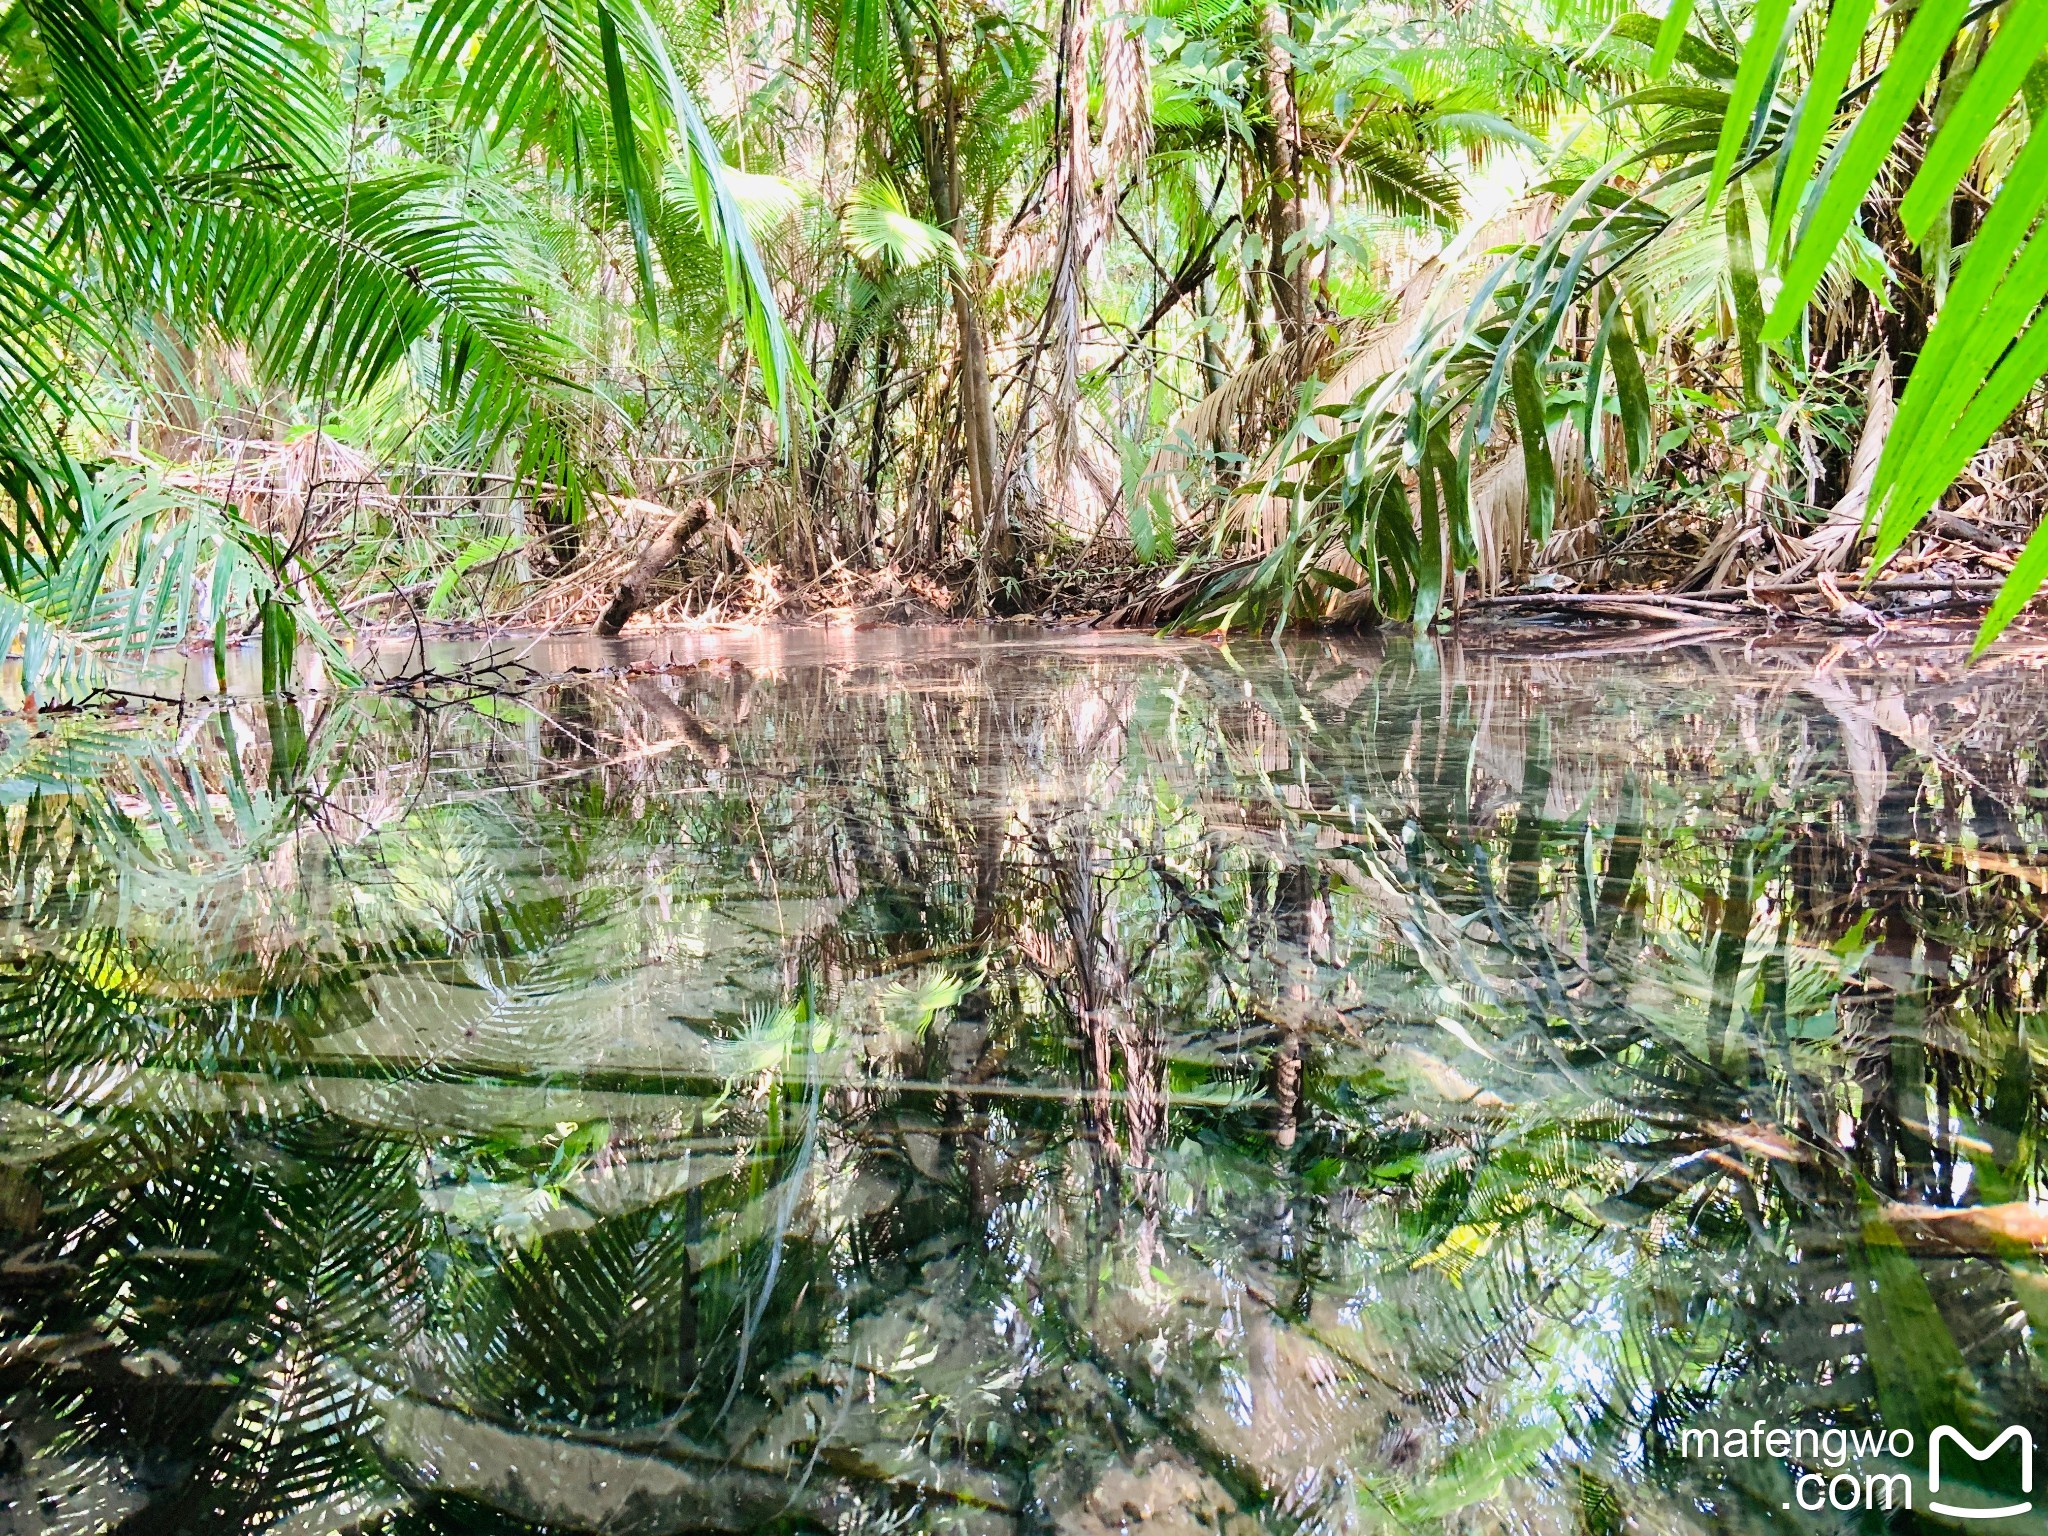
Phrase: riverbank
(663, 569)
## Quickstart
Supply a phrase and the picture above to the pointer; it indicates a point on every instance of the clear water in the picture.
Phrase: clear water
(929, 1082)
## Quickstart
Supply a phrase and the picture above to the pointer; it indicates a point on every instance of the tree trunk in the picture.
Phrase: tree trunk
(1212, 357)
(845, 353)
(1283, 189)
(661, 554)
(995, 559)
(878, 433)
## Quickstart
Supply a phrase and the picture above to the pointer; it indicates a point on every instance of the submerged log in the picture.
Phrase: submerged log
(570, 1483)
(661, 554)
(2011, 1229)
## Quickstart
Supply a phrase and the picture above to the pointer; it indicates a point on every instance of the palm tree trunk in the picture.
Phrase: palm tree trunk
(1283, 165)
(995, 559)
(878, 425)
(978, 430)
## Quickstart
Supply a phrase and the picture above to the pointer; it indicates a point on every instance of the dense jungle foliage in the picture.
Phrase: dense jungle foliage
(315, 314)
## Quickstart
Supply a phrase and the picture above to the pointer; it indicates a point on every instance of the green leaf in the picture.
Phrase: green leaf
(339, 281)
(1922, 1379)
(531, 70)
(1429, 554)
(1690, 49)
(1763, 57)
(280, 645)
(2012, 381)
(2028, 573)
(1529, 425)
(1457, 496)
(1841, 46)
(632, 170)
(749, 293)
(1394, 552)
(2022, 34)
(1870, 143)
(1748, 296)
(1992, 298)
(1150, 516)
(478, 552)
(879, 227)
(1669, 35)
(1631, 390)
(250, 82)
(1591, 417)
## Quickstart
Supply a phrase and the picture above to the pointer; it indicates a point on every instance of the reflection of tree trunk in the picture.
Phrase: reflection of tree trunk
(1301, 920)
(1738, 1046)
(1617, 885)
(572, 734)
(980, 1060)
(990, 818)
(1098, 989)
(1891, 1072)
(686, 1324)
(1525, 849)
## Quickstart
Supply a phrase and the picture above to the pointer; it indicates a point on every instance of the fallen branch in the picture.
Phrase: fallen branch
(661, 554)
(1952, 526)
(1889, 585)
(1639, 604)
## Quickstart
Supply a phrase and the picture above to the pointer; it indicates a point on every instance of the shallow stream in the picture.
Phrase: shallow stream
(905, 1082)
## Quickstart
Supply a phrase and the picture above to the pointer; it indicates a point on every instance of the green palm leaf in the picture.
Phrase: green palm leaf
(1863, 154)
(553, 75)
(1991, 88)
(879, 227)
(248, 82)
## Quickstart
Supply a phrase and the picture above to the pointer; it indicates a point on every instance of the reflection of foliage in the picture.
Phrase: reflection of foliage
(1304, 1090)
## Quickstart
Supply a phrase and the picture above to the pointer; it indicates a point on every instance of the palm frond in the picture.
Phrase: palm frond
(536, 71)
(878, 227)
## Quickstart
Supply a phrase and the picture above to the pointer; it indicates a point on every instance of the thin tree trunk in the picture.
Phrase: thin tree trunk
(995, 558)
(1283, 196)
(845, 354)
(1212, 357)
(878, 437)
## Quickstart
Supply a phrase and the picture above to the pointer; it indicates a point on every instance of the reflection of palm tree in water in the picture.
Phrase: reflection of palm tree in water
(1301, 928)
(552, 1337)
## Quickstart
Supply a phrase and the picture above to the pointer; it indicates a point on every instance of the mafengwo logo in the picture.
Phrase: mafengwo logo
(1872, 1469)
(1945, 1435)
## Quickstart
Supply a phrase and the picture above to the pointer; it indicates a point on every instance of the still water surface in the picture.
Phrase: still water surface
(905, 1083)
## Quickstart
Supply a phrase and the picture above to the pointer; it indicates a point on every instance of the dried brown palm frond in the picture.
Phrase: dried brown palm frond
(1241, 417)
(1830, 546)
(281, 488)
(1126, 104)
(1500, 510)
